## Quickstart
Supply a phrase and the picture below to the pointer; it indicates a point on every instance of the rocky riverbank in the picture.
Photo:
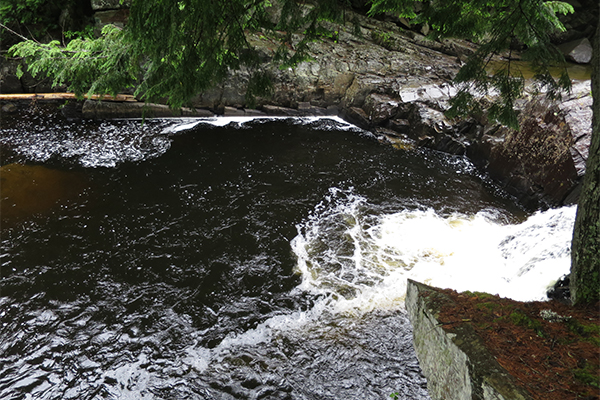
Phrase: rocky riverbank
(393, 81)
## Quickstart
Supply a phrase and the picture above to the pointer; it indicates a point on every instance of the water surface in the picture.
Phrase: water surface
(225, 260)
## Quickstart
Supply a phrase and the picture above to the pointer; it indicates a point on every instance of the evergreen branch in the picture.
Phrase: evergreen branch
(533, 28)
(14, 33)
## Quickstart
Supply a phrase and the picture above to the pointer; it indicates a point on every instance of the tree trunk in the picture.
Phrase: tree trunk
(585, 250)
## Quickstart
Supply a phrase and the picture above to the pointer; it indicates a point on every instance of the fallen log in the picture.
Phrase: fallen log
(64, 96)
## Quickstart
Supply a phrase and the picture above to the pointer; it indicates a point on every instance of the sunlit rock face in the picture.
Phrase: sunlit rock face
(28, 190)
(579, 51)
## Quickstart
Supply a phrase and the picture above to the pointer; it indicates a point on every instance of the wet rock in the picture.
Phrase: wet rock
(426, 141)
(579, 51)
(535, 163)
(93, 109)
(444, 143)
(341, 84)
(306, 108)
(427, 122)
(450, 145)
(401, 126)
(72, 110)
(560, 290)
(358, 117)
(113, 17)
(434, 96)
(9, 108)
(251, 112)
(233, 112)
(381, 108)
(280, 111)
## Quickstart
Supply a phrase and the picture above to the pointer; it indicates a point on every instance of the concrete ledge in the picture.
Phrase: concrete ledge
(454, 359)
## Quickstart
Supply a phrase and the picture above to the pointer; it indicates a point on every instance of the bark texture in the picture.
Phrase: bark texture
(585, 253)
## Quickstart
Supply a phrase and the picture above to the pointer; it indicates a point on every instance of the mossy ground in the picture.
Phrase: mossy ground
(552, 349)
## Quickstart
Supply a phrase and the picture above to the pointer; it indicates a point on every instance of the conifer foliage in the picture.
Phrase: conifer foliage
(498, 26)
(176, 49)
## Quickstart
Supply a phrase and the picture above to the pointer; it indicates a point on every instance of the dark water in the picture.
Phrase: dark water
(171, 274)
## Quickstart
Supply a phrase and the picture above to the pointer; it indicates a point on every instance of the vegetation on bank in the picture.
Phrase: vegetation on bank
(42, 19)
(552, 349)
(176, 49)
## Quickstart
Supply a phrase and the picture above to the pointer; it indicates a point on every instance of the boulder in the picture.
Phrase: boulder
(579, 51)
(426, 122)
(454, 358)
(357, 116)
(111, 17)
(9, 108)
(399, 125)
(451, 145)
(381, 108)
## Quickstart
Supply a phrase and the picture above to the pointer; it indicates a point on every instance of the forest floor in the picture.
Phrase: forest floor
(550, 348)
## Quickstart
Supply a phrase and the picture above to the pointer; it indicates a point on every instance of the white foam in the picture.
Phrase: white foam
(342, 253)
(190, 123)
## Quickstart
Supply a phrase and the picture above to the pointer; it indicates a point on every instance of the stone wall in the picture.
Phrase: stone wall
(454, 360)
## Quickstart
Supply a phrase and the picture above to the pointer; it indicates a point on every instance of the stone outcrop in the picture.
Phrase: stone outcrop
(110, 4)
(542, 163)
(93, 109)
(454, 360)
(115, 12)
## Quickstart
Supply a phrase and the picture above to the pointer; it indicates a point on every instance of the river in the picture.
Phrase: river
(239, 258)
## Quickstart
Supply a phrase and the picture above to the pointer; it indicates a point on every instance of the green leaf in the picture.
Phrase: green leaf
(560, 7)
(19, 71)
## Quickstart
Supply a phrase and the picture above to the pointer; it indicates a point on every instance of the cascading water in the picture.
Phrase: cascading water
(349, 247)
(229, 259)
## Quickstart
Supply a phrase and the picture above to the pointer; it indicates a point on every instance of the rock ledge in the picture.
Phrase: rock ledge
(454, 360)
